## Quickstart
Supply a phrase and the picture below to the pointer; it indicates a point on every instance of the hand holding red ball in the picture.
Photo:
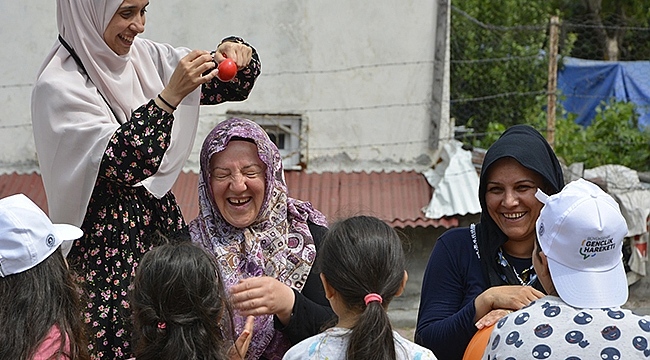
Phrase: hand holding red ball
(227, 70)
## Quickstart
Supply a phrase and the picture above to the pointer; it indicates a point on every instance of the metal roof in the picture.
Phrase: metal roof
(395, 197)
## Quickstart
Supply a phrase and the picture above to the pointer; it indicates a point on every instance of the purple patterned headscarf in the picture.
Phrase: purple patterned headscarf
(277, 244)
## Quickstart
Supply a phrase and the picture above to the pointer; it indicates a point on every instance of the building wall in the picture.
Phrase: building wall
(29, 30)
(359, 73)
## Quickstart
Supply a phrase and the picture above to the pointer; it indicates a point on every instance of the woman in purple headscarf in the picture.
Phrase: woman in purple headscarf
(265, 242)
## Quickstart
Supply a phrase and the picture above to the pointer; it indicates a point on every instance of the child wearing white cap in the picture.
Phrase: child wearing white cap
(578, 259)
(39, 303)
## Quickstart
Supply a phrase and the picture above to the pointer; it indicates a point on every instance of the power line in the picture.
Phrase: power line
(492, 60)
(15, 126)
(350, 68)
(496, 27)
(304, 72)
(496, 96)
(606, 27)
(7, 86)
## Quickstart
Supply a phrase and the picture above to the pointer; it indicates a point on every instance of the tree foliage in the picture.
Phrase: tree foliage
(496, 63)
(612, 138)
(499, 72)
(607, 29)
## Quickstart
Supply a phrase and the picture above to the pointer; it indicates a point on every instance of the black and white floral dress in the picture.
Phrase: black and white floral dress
(122, 219)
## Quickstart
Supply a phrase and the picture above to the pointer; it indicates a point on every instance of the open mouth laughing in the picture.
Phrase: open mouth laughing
(514, 216)
(127, 39)
(239, 202)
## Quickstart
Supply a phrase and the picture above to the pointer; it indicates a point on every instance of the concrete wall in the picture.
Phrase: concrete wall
(360, 73)
(29, 30)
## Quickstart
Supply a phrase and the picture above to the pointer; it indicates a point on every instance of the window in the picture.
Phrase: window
(284, 131)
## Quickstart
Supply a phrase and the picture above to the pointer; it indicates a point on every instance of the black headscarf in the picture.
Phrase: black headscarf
(526, 145)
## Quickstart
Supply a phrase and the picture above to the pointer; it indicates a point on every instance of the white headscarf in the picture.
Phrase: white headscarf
(73, 124)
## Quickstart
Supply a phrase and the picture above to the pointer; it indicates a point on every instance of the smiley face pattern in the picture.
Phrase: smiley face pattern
(550, 329)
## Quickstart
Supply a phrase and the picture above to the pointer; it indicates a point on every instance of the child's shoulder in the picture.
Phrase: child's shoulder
(330, 344)
(407, 350)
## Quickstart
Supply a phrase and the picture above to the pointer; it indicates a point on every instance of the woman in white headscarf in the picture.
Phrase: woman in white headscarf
(114, 119)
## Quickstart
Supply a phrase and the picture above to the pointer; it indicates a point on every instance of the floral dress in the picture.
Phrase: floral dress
(123, 220)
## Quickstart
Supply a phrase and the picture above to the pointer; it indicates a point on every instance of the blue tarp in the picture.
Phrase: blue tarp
(584, 84)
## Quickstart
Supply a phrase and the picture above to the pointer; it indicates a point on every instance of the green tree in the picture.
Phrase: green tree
(497, 62)
(499, 72)
(612, 138)
(607, 29)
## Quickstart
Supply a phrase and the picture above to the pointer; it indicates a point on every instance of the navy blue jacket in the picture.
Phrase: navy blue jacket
(452, 280)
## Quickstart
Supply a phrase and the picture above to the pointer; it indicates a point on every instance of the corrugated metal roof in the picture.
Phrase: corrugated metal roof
(29, 184)
(395, 197)
(455, 183)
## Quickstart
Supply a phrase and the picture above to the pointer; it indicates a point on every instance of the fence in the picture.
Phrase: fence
(507, 75)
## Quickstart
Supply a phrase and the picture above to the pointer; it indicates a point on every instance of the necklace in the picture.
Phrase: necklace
(526, 277)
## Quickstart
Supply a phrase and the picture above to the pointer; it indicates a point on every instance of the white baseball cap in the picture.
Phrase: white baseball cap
(27, 236)
(581, 231)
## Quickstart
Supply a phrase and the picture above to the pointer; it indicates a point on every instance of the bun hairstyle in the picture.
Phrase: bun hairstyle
(363, 256)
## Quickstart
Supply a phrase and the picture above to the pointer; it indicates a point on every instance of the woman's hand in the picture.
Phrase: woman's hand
(239, 53)
(508, 297)
(263, 295)
(188, 75)
(240, 347)
(491, 318)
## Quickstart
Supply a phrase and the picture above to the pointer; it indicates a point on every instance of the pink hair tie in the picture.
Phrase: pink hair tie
(372, 297)
(162, 325)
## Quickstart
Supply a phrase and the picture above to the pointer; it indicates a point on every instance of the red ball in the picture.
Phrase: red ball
(227, 70)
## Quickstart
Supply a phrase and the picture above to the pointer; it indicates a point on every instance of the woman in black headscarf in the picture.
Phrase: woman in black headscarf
(477, 275)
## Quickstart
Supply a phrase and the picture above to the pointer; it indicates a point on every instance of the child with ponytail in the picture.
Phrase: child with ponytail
(362, 267)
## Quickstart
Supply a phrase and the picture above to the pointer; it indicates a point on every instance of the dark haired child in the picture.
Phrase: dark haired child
(40, 308)
(180, 308)
(362, 267)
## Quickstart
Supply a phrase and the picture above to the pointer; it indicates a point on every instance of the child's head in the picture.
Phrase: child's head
(34, 276)
(27, 236)
(363, 256)
(580, 233)
(179, 304)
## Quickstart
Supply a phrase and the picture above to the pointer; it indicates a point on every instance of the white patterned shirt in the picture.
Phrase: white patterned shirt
(332, 344)
(549, 328)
